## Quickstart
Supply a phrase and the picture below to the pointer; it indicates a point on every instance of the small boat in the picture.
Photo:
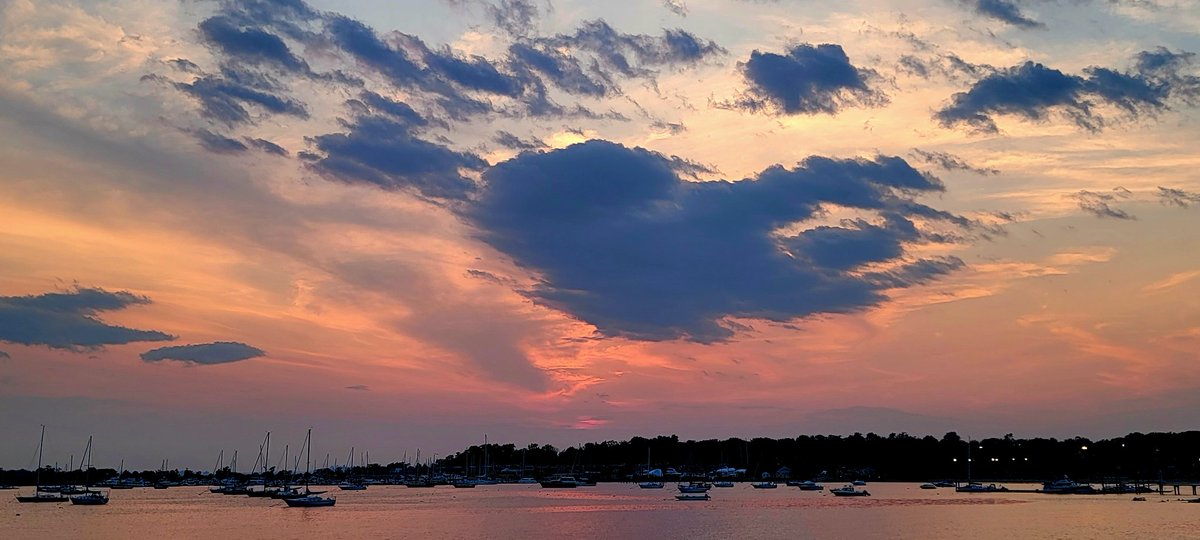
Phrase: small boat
(40, 493)
(694, 487)
(310, 501)
(90, 498)
(976, 487)
(310, 498)
(42, 497)
(527, 480)
(809, 485)
(261, 493)
(352, 484)
(848, 490)
(859, 483)
(651, 485)
(943, 483)
(692, 497)
(764, 485)
(1066, 486)
(560, 482)
(928, 485)
(722, 484)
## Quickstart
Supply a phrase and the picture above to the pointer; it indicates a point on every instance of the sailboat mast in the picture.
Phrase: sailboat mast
(41, 442)
(307, 459)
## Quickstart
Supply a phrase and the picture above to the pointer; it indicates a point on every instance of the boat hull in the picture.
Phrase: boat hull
(309, 502)
(41, 498)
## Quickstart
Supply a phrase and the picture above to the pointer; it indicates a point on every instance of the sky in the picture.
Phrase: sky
(411, 224)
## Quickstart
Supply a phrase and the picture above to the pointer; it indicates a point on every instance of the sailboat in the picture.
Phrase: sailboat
(264, 455)
(38, 495)
(310, 500)
(351, 484)
(651, 484)
(89, 497)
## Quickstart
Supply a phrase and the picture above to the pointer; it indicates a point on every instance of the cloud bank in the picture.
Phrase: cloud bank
(69, 320)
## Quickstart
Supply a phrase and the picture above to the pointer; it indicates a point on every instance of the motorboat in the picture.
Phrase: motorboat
(651, 485)
(463, 484)
(764, 485)
(859, 482)
(694, 487)
(928, 485)
(849, 490)
(527, 480)
(692, 497)
(722, 484)
(359, 486)
(560, 482)
(809, 485)
(310, 501)
(1066, 486)
(976, 487)
(261, 493)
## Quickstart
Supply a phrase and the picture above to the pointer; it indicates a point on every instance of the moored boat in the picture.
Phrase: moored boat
(692, 497)
(767, 484)
(310, 498)
(694, 487)
(976, 487)
(560, 482)
(849, 490)
(41, 495)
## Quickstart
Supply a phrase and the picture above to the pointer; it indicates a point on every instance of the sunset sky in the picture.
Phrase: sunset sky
(408, 224)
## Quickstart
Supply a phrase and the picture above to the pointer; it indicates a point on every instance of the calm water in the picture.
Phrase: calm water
(606, 511)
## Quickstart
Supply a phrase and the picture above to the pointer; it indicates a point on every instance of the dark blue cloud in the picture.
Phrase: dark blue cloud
(633, 55)
(68, 320)
(623, 243)
(806, 79)
(266, 146)
(1003, 10)
(1034, 92)
(251, 45)
(561, 70)
(382, 147)
(225, 99)
(509, 140)
(221, 352)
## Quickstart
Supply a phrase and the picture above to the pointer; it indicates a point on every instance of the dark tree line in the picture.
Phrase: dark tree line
(899, 457)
